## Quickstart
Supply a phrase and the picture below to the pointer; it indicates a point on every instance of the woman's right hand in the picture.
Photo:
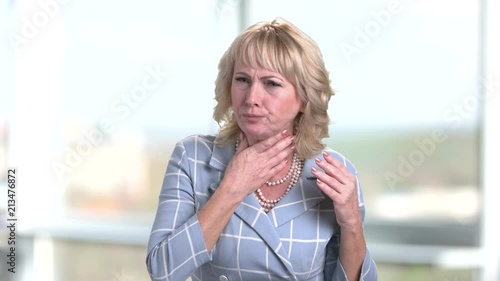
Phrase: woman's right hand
(252, 166)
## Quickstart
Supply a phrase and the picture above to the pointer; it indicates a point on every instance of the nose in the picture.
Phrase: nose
(254, 95)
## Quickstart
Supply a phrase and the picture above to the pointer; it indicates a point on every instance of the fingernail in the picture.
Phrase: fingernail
(317, 160)
(284, 132)
(325, 154)
(313, 169)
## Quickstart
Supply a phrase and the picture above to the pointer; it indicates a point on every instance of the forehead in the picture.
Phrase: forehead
(254, 69)
(258, 53)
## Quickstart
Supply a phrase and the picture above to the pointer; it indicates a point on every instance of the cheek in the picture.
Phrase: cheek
(291, 108)
(284, 114)
(233, 95)
(234, 100)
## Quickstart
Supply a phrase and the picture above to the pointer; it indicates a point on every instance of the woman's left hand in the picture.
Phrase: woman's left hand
(340, 185)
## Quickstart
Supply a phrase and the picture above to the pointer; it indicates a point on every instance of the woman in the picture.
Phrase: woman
(263, 199)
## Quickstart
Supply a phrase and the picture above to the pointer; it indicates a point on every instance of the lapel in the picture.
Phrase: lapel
(302, 197)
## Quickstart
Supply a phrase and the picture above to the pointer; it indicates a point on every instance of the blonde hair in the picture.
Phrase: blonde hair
(280, 47)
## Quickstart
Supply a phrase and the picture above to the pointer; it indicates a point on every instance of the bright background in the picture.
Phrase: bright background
(95, 94)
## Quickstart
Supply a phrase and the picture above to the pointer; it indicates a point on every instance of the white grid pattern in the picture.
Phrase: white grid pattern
(293, 242)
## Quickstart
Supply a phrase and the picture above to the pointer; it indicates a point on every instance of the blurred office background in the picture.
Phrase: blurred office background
(94, 95)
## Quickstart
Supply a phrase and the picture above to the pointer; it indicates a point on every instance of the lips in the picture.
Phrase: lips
(252, 117)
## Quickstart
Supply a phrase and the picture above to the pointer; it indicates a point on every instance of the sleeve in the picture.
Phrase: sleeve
(176, 245)
(334, 270)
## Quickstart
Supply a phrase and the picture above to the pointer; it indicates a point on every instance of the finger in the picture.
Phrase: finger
(336, 163)
(332, 171)
(340, 194)
(328, 181)
(330, 192)
(278, 155)
(278, 167)
(268, 143)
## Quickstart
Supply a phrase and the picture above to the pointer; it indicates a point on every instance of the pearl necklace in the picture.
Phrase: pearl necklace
(295, 162)
(295, 171)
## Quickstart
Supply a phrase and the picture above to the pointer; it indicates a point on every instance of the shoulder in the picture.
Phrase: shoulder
(194, 142)
(203, 149)
(194, 146)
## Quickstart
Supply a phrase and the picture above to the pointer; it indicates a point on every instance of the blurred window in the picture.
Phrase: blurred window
(104, 90)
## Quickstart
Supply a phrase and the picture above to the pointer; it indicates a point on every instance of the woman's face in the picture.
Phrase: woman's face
(264, 102)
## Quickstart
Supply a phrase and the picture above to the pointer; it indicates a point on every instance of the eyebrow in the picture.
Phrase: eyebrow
(263, 77)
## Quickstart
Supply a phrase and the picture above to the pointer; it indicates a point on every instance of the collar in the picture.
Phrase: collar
(304, 196)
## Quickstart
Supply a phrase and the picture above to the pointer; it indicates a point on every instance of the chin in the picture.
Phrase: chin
(259, 135)
(255, 133)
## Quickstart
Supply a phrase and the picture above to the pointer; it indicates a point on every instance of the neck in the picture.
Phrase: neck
(253, 139)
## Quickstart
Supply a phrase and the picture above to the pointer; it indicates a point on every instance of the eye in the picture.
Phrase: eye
(241, 79)
(271, 83)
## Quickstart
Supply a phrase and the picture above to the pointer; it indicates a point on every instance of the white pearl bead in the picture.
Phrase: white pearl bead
(294, 172)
